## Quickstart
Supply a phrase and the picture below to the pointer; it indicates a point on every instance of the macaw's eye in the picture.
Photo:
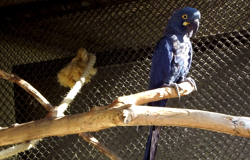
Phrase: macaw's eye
(184, 16)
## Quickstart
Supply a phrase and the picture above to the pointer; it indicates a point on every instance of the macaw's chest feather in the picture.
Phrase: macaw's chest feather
(180, 57)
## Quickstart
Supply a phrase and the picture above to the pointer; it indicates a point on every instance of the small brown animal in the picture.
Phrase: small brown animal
(72, 72)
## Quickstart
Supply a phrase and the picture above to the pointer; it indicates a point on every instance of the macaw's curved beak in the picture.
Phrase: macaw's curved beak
(193, 27)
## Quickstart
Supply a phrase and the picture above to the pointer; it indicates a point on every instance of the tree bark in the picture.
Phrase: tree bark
(126, 115)
(125, 112)
(98, 118)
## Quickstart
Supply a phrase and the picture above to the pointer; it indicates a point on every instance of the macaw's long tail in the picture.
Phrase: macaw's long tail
(152, 143)
(153, 136)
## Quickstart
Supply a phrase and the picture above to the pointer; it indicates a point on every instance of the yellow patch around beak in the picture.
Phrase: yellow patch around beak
(185, 23)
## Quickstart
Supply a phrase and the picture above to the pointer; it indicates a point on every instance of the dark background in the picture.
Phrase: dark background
(38, 38)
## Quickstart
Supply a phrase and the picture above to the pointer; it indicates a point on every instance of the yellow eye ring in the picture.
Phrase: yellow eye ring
(184, 16)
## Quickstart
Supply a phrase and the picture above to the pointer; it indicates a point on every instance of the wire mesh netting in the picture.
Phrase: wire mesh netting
(38, 38)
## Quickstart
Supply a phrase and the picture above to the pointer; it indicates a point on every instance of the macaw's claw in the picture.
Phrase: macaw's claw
(175, 85)
(189, 79)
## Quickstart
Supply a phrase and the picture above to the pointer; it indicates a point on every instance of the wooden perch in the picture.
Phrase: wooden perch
(119, 114)
(126, 115)
(125, 112)
(155, 95)
(145, 97)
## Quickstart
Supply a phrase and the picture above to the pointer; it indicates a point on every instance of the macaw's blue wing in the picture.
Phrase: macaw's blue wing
(159, 74)
(160, 67)
(161, 63)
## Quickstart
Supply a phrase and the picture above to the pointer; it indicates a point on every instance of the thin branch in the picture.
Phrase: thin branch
(102, 148)
(26, 86)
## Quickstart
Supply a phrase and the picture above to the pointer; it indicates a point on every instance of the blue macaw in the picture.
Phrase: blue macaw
(171, 62)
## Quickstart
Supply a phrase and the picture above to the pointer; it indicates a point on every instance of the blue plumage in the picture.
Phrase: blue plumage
(171, 61)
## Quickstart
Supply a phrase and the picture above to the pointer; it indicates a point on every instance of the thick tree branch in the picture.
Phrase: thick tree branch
(152, 95)
(124, 112)
(118, 114)
(126, 115)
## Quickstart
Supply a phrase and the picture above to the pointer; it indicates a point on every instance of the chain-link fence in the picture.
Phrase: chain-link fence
(38, 38)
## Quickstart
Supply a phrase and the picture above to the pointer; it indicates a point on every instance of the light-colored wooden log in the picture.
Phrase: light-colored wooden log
(126, 115)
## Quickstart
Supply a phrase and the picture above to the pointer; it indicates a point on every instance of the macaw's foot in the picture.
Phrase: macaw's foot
(190, 80)
(175, 85)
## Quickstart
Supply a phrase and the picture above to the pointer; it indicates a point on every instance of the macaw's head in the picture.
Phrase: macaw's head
(184, 21)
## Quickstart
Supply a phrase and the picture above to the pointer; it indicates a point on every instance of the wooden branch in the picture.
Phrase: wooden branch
(26, 86)
(54, 112)
(95, 143)
(117, 114)
(126, 115)
(143, 97)
(155, 95)
(43, 101)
